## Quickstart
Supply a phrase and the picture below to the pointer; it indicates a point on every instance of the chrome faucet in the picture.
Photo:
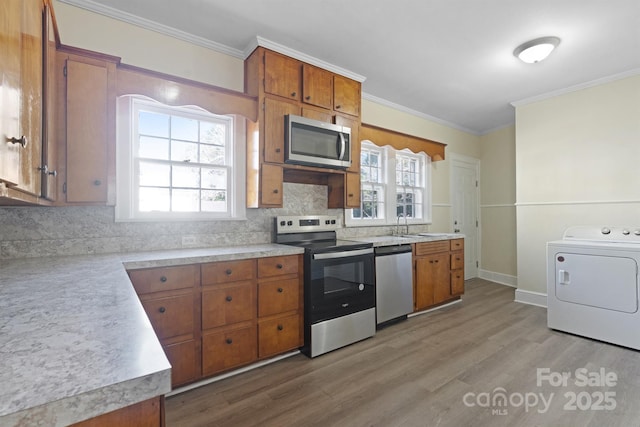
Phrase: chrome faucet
(406, 225)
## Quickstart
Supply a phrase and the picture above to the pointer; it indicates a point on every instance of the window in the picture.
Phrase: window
(177, 163)
(394, 184)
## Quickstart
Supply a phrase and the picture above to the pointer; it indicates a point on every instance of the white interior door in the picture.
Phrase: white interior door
(465, 209)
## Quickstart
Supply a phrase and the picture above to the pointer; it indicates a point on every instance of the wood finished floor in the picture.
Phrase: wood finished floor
(417, 373)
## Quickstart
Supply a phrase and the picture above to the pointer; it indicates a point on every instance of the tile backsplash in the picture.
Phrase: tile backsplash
(58, 231)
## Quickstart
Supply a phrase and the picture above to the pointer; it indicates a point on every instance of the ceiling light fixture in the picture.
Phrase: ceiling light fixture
(536, 50)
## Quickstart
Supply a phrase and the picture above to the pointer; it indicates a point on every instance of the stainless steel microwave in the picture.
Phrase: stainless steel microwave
(316, 143)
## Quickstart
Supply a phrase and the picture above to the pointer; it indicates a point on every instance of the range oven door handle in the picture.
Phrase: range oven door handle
(343, 254)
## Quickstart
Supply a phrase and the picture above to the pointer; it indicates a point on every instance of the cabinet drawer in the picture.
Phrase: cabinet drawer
(426, 248)
(277, 266)
(457, 282)
(457, 260)
(184, 365)
(225, 305)
(171, 316)
(278, 335)
(228, 349)
(164, 279)
(278, 296)
(228, 271)
(457, 244)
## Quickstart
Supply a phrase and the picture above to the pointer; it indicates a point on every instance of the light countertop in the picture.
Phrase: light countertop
(407, 239)
(75, 341)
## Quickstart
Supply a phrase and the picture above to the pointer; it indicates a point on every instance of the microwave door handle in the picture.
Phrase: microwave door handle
(343, 146)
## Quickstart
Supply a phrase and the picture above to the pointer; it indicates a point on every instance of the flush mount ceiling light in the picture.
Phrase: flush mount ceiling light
(536, 50)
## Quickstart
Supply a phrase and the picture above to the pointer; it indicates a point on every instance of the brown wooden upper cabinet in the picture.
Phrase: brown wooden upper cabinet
(21, 108)
(317, 86)
(346, 95)
(281, 75)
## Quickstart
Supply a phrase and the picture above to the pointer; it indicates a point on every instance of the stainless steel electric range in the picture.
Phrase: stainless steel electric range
(339, 283)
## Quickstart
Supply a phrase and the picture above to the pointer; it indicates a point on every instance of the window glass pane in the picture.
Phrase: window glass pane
(373, 159)
(214, 178)
(184, 128)
(185, 200)
(186, 176)
(153, 148)
(212, 154)
(153, 199)
(154, 174)
(184, 151)
(214, 201)
(153, 124)
(364, 158)
(212, 133)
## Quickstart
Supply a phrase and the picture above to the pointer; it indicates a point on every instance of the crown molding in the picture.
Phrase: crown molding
(147, 24)
(577, 87)
(416, 113)
(271, 45)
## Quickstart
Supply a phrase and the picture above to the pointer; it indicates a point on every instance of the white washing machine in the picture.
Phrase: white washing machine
(592, 284)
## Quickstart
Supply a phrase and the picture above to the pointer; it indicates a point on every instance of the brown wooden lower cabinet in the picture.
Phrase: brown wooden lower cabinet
(183, 357)
(438, 272)
(278, 335)
(227, 349)
(148, 413)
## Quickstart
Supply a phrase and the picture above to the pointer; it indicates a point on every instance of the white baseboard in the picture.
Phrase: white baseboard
(531, 298)
(503, 279)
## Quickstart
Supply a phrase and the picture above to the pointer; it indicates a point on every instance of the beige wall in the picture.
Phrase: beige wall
(497, 205)
(147, 49)
(576, 164)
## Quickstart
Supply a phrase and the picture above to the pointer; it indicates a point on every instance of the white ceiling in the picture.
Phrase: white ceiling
(447, 59)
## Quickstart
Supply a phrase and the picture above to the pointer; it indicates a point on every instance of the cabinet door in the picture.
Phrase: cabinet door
(225, 305)
(184, 363)
(457, 282)
(278, 335)
(228, 349)
(354, 125)
(278, 297)
(277, 266)
(86, 170)
(10, 41)
(320, 115)
(281, 75)
(271, 188)
(440, 277)
(171, 316)
(346, 95)
(49, 146)
(274, 112)
(317, 86)
(352, 190)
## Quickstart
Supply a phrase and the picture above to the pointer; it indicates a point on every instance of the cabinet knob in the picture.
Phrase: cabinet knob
(436, 261)
(350, 194)
(280, 290)
(338, 107)
(275, 191)
(45, 171)
(280, 327)
(163, 279)
(228, 272)
(431, 262)
(277, 150)
(97, 182)
(21, 141)
(308, 97)
(162, 309)
(293, 94)
(229, 298)
(279, 266)
(229, 341)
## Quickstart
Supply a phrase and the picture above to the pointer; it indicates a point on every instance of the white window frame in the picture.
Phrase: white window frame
(389, 166)
(126, 148)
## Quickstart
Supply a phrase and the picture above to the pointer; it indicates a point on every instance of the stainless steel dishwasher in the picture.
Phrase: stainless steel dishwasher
(394, 283)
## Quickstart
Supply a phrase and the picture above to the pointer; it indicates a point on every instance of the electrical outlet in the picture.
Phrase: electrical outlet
(188, 240)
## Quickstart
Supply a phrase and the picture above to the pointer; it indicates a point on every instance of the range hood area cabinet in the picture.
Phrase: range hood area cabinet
(27, 159)
(285, 85)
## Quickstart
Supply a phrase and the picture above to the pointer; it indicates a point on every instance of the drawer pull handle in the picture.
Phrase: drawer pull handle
(229, 298)
(279, 266)
(280, 290)
(280, 327)
(163, 279)
(228, 272)
(229, 341)
(162, 309)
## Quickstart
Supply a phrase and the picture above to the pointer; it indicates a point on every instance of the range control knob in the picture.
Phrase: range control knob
(637, 232)
(605, 230)
(625, 232)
